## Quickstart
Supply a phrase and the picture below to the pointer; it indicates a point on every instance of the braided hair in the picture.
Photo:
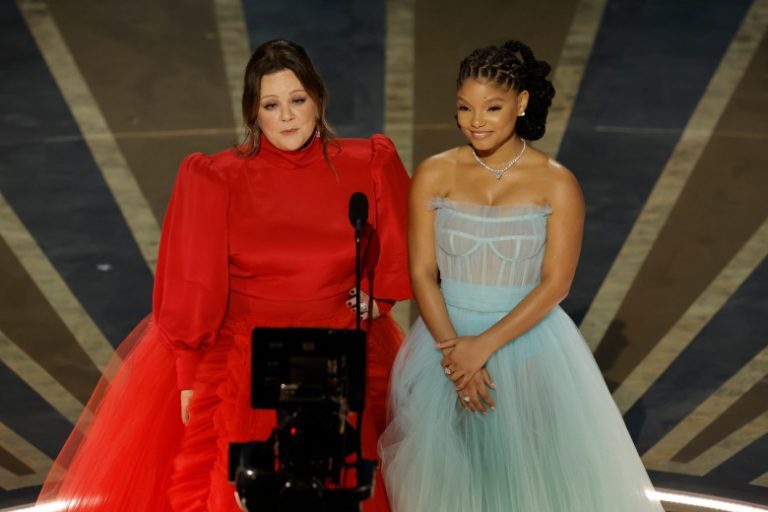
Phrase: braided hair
(513, 65)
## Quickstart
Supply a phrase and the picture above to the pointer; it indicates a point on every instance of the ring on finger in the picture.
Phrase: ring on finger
(466, 398)
(448, 371)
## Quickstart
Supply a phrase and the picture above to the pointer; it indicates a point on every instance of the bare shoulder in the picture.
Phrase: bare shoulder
(437, 170)
(560, 184)
(440, 163)
(552, 177)
(559, 175)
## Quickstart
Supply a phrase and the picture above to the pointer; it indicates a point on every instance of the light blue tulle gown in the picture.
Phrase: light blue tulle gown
(556, 441)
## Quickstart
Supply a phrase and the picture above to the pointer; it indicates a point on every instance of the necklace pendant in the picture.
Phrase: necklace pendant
(499, 172)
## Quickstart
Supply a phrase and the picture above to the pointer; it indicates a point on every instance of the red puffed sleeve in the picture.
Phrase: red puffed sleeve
(191, 284)
(391, 183)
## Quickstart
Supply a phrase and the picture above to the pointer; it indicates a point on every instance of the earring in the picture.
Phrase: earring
(521, 115)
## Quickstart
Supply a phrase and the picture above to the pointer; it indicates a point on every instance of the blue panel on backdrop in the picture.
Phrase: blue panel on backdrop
(651, 61)
(48, 176)
(728, 342)
(346, 41)
(29, 415)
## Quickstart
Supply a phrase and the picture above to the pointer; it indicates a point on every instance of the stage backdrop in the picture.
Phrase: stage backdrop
(661, 112)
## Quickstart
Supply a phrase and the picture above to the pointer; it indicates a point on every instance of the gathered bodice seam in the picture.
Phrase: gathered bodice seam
(489, 239)
(505, 218)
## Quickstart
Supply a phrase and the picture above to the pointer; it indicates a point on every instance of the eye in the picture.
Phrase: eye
(494, 108)
(269, 106)
(463, 108)
(299, 101)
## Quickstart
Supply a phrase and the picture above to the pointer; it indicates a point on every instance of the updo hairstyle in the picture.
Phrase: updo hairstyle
(514, 65)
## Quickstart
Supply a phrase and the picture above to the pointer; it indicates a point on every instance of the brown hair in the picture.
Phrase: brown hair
(271, 57)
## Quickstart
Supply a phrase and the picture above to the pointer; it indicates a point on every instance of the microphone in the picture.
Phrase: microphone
(358, 211)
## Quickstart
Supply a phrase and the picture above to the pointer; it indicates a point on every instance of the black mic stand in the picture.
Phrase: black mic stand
(358, 270)
(358, 215)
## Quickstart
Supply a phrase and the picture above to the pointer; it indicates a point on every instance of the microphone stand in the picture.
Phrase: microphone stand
(358, 215)
(358, 272)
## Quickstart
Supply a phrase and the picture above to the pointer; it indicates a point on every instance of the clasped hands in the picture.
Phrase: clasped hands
(464, 359)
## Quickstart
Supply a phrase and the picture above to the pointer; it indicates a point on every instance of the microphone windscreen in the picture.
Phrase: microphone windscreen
(358, 209)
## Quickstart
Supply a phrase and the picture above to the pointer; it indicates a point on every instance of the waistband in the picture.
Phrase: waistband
(483, 298)
(330, 311)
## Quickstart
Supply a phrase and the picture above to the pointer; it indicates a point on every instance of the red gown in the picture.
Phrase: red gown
(260, 241)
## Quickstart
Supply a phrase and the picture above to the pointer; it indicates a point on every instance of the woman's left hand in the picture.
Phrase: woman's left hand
(365, 303)
(467, 357)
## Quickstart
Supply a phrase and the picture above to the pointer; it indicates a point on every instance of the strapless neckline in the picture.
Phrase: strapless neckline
(496, 211)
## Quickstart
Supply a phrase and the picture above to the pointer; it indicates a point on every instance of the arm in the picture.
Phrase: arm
(421, 252)
(191, 284)
(386, 255)
(427, 184)
(564, 232)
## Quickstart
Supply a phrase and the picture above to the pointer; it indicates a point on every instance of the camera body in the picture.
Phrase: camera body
(315, 379)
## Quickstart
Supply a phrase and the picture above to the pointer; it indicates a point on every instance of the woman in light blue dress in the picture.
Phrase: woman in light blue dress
(497, 404)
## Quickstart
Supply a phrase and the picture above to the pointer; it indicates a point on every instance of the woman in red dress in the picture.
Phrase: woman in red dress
(253, 236)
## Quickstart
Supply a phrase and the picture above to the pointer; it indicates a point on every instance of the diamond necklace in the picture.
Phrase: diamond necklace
(500, 172)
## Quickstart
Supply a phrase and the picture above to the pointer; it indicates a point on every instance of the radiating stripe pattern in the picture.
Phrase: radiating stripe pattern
(673, 307)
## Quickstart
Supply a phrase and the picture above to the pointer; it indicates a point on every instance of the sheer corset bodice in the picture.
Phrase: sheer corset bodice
(490, 245)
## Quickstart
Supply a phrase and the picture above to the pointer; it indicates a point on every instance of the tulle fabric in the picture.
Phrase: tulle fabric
(118, 457)
(555, 442)
(130, 452)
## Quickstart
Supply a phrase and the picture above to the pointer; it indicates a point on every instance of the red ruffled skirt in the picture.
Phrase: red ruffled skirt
(130, 452)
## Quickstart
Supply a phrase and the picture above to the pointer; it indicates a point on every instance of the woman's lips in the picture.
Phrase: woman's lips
(481, 135)
(290, 131)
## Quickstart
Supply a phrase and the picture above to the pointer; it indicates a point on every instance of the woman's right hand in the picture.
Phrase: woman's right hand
(186, 397)
(478, 387)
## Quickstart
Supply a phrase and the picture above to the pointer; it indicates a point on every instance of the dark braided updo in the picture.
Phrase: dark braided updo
(513, 65)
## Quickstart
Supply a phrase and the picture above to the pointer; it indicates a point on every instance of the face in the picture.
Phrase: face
(287, 115)
(487, 113)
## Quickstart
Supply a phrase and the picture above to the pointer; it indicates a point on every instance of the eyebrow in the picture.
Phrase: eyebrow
(290, 92)
(495, 98)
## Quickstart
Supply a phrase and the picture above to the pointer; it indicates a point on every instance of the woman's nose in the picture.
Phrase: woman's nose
(286, 114)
